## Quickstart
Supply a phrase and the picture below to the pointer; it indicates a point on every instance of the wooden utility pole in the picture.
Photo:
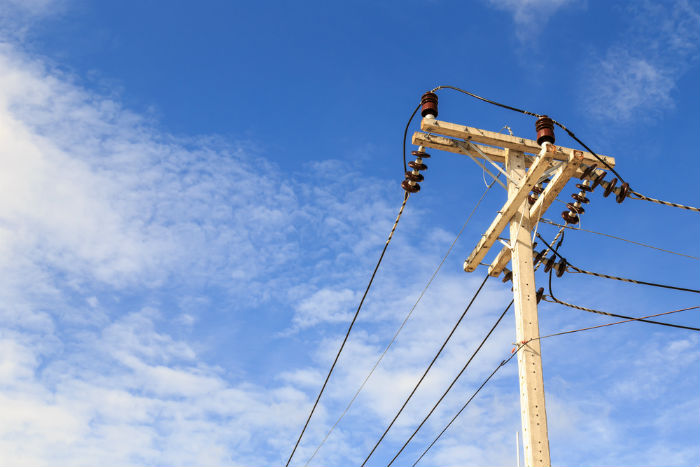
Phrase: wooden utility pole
(526, 164)
(532, 407)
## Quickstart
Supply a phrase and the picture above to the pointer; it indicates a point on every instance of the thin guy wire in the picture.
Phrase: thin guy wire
(620, 238)
(614, 323)
(502, 364)
(658, 201)
(451, 384)
(476, 294)
(352, 323)
(623, 279)
(398, 331)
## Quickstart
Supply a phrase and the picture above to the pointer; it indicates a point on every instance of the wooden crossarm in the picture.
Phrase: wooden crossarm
(507, 211)
(505, 141)
(538, 209)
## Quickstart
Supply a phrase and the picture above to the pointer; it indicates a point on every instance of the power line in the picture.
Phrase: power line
(618, 238)
(352, 323)
(452, 383)
(476, 294)
(515, 352)
(500, 365)
(623, 279)
(398, 331)
(405, 134)
(658, 201)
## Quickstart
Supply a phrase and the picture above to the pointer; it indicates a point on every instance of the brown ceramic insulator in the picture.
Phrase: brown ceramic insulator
(580, 198)
(429, 104)
(569, 217)
(537, 189)
(589, 172)
(538, 257)
(549, 262)
(560, 268)
(507, 276)
(573, 208)
(417, 165)
(414, 177)
(415, 188)
(421, 154)
(545, 130)
(598, 180)
(531, 199)
(539, 294)
(622, 194)
(583, 187)
(611, 186)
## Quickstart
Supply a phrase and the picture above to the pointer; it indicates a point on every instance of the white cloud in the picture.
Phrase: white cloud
(637, 76)
(530, 16)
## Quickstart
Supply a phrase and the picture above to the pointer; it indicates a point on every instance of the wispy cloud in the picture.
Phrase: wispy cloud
(530, 16)
(638, 74)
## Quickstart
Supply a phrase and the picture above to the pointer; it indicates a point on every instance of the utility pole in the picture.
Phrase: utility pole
(532, 405)
(528, 165)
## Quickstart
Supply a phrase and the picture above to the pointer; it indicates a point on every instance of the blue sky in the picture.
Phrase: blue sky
(194, 194)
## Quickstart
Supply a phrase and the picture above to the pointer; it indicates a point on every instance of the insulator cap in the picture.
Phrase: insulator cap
(581, 198)
(421, 154)
(508, 276)
(415, 188)
(598, 180)
(417, 165)
(545, 130)
(560, 268)
(414, 177)
(539, 294)
(611, 186)
(569, 217)
(573, 208)
(589, 172)
(429, 104)
(624, 191)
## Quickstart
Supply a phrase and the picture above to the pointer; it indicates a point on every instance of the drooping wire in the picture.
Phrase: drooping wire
(498, 367)
(352, 323)
(415, 388)
(525, 112)
(618, 238)
(623, 279)
(452, 383)
(591, 310)
(398, 331)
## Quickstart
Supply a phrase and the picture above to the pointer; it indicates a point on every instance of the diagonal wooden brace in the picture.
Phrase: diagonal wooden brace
(541, 205)
(509, 209)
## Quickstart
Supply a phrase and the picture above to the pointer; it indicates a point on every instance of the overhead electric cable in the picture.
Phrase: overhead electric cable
(636, 195)
(398, 331)
(452, 383)
(352, 323)
(618, 238)
(623, 279)
(415, 388)
(405, 134)
(500, 365)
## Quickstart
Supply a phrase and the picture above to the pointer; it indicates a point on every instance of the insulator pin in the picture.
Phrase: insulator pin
(545, 130)
(429, 105)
